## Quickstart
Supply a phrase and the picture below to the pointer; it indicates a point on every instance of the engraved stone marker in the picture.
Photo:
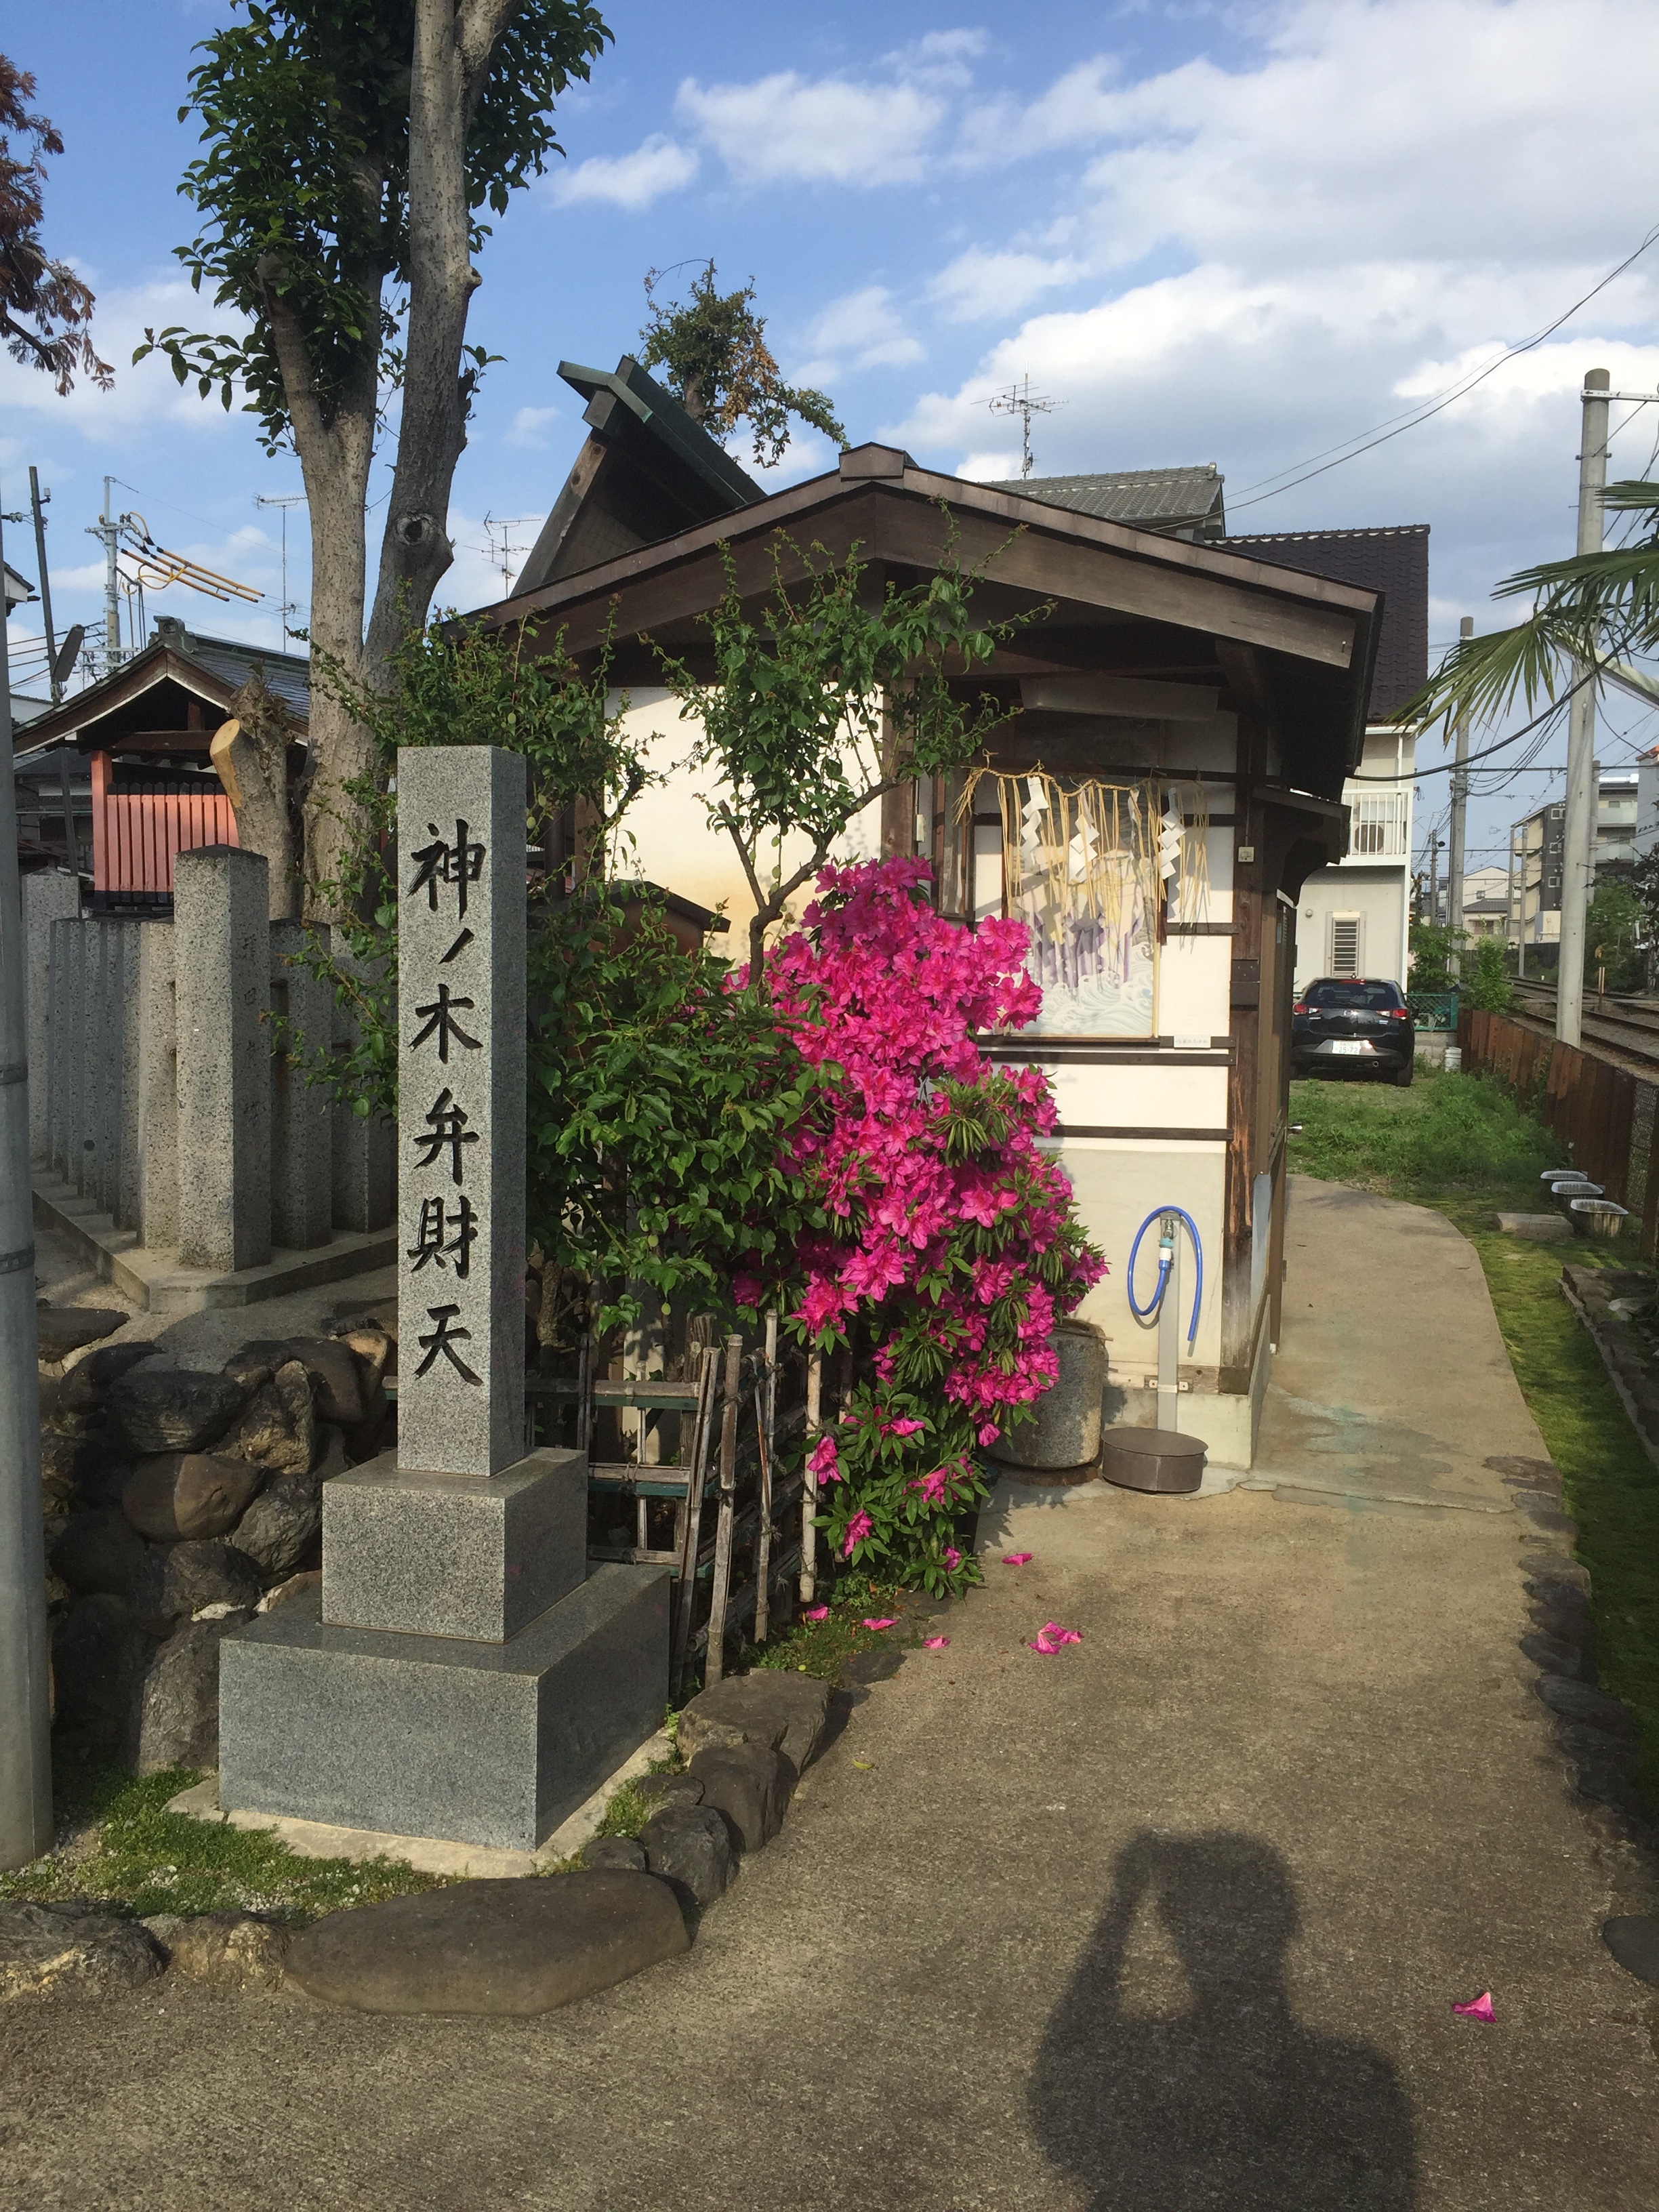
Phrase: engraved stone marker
(460, 1108)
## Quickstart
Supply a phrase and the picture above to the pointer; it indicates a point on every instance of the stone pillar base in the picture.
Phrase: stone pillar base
(422, 1735)
(465, 1555)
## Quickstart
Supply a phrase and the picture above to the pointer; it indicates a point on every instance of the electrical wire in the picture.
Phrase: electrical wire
(1381, 433)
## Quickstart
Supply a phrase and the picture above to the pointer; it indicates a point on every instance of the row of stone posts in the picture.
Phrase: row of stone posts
(167, 1099)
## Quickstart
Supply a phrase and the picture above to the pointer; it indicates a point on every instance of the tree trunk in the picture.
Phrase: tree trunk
(452, 49)
(251, 755)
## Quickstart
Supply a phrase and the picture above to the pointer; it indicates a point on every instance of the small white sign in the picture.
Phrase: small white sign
(1191, 1043)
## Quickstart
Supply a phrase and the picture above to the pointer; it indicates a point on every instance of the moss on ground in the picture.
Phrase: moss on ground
(125, 1847)
(1459, 1144)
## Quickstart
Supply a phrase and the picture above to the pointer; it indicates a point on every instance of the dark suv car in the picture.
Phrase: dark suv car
(1353, 1021)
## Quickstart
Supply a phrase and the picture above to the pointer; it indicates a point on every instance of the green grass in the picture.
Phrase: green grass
(1459, 1144)
(131, 1852)
(823, 1647)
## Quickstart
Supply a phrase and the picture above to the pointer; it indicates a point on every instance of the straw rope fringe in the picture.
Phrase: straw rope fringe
(1077, 849)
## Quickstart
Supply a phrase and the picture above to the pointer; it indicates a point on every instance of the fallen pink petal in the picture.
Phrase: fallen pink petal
(1015, 1558)
(1041, 1643)
(880, 1624)
(815, 1613)
(1059, 1635)
(934, 1642)
(1480, 2008)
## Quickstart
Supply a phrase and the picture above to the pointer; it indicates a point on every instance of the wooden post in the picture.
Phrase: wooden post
(765, 1424)
(809, 1496)
(697, 1464)
(714, 1658)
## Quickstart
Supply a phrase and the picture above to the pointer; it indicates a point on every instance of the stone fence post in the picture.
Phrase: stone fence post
(48, 896)
(156, 1119)
(222, 946)
(301, 1125)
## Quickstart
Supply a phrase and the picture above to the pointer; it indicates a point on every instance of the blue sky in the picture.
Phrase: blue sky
(1237, 234)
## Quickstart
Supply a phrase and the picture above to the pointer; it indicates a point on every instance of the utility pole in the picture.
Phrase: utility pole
(55, 675)
(108, 529)
(1459, 801)
(1578, 844)
(1434, 878)
(26, 1823)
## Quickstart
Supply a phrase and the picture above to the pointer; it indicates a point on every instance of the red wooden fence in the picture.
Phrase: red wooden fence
(136, 832)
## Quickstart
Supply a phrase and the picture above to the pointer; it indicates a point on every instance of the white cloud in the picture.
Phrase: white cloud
(529, 428)
(655, 168)
(861, 330)
(977, 286)
(146, 392)
(830, 131)
(939, 59)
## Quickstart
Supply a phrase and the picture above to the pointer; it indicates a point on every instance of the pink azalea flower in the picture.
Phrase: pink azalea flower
(1015, 1558)
(747, 1290)
(822, 1460)
(815, 1613)
(888, 1623)
(1479, 2008)
(988, 1433)
(903, 1428)
(857, 1529)
(952, 1558)
(934, 1642)
(932, 1487)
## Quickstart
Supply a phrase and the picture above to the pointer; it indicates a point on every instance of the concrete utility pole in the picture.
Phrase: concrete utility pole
(26, 1825)
(1459, 801)
(108, 530)
(55, 675)
(1578, 844)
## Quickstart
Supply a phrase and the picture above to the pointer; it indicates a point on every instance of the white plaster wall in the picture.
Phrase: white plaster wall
(1116, 1184)
(1380, 897)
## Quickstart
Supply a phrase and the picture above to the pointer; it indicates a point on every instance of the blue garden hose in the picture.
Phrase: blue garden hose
(1146, 1312)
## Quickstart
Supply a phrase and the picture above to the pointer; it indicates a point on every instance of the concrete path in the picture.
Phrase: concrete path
(1172, 1921)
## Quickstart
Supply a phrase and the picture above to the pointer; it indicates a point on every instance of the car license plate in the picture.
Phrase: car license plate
(1347, 1044)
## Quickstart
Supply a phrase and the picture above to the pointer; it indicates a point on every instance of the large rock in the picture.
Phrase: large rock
(85, 1384)
(278, 1429)
(689, 1847)
(364, 1438)
(178, 1497)
(620, 1852)
(64, 1330)
(176, 1722)
(281, 1526)
(1579, 1701)
(296, 1586)
(173, 1409)
(750, 1784)
(338, 1380)
(372, 1342)
(65, 1462)
(227, 1950)
(502, 1947)
(786, 1712)
(99, 1551)
(71, 1950)
(99, 1657)
(178, 1580)
(659, 1792)
(1634, 1940)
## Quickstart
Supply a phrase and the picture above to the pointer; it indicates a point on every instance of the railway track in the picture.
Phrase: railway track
(1623, 1031)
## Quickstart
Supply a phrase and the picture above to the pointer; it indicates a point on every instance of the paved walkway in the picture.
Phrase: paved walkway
(1174, 1920)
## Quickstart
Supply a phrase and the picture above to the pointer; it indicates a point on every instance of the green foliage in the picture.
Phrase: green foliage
(1486, 973)
(304, 187)
(1432, 945)
(713, 346)
(1594, 609)
(1613, 924)
(659, 1101)
(661, 1106)
(45, 307)
(1450, 1133)
(830, 696)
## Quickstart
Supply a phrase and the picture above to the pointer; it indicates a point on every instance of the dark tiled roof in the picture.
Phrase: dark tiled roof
(1393, 561)
(1164, 500)
(285, 673)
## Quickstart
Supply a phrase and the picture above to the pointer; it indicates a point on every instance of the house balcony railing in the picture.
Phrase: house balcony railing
(1379, 824)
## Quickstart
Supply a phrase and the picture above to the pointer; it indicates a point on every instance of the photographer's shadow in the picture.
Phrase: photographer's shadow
(1231, 2104)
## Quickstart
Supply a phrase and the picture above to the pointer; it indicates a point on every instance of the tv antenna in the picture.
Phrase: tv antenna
(503, 559)
(288, 606)
(1020, 400)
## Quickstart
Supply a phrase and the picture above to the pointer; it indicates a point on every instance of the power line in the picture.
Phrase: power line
(1381, 433)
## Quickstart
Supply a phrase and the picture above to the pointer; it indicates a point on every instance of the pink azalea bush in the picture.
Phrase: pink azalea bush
(949, 1238)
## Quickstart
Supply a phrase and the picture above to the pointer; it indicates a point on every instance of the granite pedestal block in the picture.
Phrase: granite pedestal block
(413, 1736)
(456, 1555)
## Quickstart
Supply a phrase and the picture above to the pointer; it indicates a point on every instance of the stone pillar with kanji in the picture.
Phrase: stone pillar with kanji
(461, 1674)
